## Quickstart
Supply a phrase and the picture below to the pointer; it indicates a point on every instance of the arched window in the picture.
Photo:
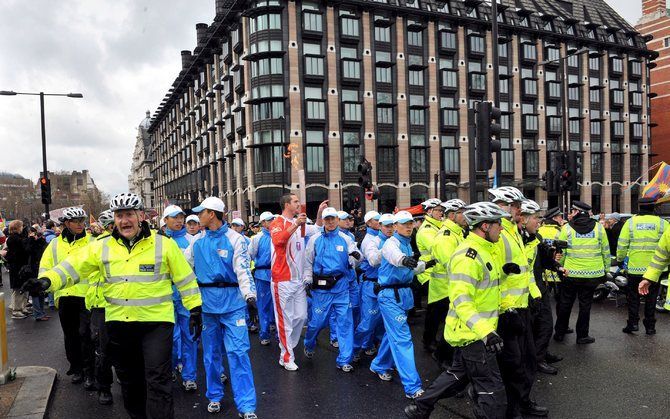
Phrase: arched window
(388, 198)
(267, 199)
(418, 194)
(315, 196)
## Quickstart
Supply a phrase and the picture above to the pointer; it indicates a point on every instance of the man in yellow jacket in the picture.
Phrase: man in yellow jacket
(75, 319)
(425, 237)
(138, 268)
(517, 285)
(471, 324)
(637, 243)
(444, 245)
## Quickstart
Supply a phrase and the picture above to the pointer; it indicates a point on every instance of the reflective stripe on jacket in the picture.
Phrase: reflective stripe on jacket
(444, 245)
(587, 255)
(56, 252)
(424, 242)
(638, 240)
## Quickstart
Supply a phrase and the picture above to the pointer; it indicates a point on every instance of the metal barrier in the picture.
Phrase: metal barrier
(6, 374)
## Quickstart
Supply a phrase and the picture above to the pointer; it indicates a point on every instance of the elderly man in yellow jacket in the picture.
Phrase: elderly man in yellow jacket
(138, 268)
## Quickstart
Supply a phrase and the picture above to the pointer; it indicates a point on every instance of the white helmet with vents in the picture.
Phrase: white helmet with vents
(506, 194)
(106, 218)
(430, 203)
(483, 211)
(530, 207)
(72, 213)
(453, 205)
(124, 201)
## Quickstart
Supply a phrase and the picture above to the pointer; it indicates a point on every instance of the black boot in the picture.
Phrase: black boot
(545, 368)
(552, 359)
(532, 408)
(77, 378)
(105, 397)
(650, 326)
(89, 383)
(412, 412)
(585, 340)
(630, 328)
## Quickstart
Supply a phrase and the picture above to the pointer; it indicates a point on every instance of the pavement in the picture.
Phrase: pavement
(619, 376)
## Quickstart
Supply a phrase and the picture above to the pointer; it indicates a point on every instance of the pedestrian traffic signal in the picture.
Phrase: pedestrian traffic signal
(45, 188)
(573, 169)
(487, 128)
(365, 174)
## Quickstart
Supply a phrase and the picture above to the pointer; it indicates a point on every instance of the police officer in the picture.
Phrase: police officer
(637, 243)
(95, 302)
(328, 258)
(396, 272)
(541, 258)
(370, 325)
(74, 317)
(450, 235)
(228, 293)
(425, 236)
(586, 259)
(474, 291)
(138, 267)
(657, 266)
(260, 251)
(517, 285)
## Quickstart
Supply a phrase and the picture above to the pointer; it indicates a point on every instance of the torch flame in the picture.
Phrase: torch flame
(293, 153)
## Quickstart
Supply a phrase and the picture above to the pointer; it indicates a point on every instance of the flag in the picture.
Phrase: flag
(658, 187)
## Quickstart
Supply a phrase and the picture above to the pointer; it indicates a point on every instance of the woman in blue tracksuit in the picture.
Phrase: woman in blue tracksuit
(395, 299)
(260, 251)
(228, 291)
(184, 349)
(328, 258)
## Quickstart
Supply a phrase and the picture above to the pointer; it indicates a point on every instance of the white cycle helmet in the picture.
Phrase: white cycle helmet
(125, 201)
(430, 203)
(453, 205)
(106, 218)
(529, 207)
(72, 213)
(480, 212)
(507, 194)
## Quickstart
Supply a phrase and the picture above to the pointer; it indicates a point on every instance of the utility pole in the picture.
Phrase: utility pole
(496, 83)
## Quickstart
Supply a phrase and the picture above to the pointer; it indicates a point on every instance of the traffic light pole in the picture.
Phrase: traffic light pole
(496, 83)
(44, 150)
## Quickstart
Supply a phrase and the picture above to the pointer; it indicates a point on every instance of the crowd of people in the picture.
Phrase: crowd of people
(144, 300)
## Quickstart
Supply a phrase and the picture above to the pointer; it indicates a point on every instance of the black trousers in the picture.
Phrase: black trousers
(75, 321)
(418, 291)
(100, 338)
(572, 289)
(435, 317)
(141, 353)
(543, 323)
(633, 301)
(517, 361)
(472, 364)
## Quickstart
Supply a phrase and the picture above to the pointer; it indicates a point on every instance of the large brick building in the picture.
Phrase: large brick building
(392, 80)
(655, 26)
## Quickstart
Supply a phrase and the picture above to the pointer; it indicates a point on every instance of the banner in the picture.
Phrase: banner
(658, 187)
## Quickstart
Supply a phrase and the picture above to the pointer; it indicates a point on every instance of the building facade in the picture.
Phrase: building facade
(655, 26)
(18, 196)
(140, 180)
(275, 86)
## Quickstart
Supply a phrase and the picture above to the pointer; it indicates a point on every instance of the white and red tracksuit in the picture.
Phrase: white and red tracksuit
(288, 292)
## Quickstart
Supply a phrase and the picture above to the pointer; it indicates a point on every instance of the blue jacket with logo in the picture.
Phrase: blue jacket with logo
(370, 250)
(327, 254)
(180, 237)
(260, 251)
(222, 256)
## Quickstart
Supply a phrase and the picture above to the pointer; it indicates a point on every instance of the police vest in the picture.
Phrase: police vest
(56, 252)
(587, 255)
(638, 240)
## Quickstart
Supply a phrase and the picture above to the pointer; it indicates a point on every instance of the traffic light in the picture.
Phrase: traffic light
(365, 174)
(45, 188)
(549, 179)
(573, 169)
(487, 127)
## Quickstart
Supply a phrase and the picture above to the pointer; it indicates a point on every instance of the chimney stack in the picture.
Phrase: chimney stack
(219, 7)
(185, 59)
(201, 30)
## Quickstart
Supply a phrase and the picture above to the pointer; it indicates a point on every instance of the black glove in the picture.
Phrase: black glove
(511, 268)
(34, 286)
(356, 255)
(431, 263)
(409, 262)
(195, 323)
(534, 304)
(493, 343)
(252, 309)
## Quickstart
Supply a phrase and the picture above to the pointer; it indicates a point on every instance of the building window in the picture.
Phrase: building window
(636, 68)
(573, 61)
(447, 40)
(617, 65)
(267, 110)
(477, 44)
(351, 151)
(416, 117)
(351, 106)
(349, 27)
(449, 78)
(268, 151)
(351, 69)
(384, 115)
(316, 107)
(312, 19)
(416, 77)
(553, 54)
(387, 198)
(382, 34)
(383, 74)
(595, 128)
(386, 153)
(267, 66)
(594, 63)
(450, 154)
(418, 154)
(315, 152)
(531, 160)
(415, 39)
(529, 52)
(264, 22)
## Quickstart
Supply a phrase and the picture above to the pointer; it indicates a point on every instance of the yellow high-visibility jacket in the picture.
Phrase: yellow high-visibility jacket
(514, 287)
(638, 240)
(474, 292)
(137, 281)
(587, 255)
(550, 231)
(94, 297)
(659, 263)
(424, 241)
(57, 251)
(445, 243)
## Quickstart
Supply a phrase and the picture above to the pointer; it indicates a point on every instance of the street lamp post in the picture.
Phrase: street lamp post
(44, 136)
(564, 144)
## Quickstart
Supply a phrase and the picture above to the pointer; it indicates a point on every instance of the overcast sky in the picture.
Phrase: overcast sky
(123, 55)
